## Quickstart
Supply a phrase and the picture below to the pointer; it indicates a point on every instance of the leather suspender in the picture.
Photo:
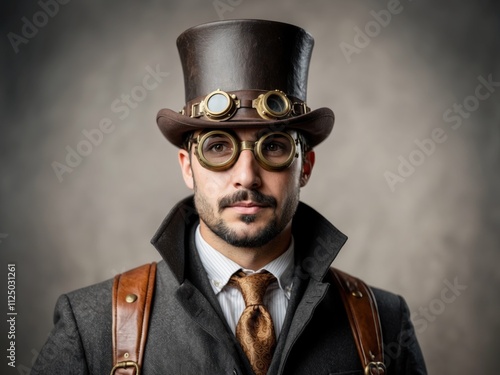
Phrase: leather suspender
(132, 296)
(362, 311)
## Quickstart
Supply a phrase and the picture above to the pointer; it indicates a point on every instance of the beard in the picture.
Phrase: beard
(272, 228)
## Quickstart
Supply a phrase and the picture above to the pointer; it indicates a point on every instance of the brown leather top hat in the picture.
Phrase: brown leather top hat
(245, 73)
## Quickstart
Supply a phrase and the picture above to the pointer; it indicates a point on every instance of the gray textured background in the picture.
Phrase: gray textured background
(441, 225)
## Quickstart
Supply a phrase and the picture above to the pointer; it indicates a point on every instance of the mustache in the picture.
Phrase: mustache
(247, 195)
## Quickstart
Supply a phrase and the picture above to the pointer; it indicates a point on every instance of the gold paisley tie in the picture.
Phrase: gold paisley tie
(255, 329)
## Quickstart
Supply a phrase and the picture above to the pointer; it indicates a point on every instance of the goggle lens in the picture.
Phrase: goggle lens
(276, 149)
(275, 105)
(217, 149)
(218, 103)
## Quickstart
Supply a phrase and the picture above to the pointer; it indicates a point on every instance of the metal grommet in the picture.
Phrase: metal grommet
(131, 298)
(357, 294)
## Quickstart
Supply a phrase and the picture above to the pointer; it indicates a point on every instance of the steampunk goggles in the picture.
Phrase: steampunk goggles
(218, 150)
(220, 105)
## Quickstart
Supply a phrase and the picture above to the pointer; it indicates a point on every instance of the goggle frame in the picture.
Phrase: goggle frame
(240, 146)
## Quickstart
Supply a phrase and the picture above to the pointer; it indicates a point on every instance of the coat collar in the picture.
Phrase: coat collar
(317, 241)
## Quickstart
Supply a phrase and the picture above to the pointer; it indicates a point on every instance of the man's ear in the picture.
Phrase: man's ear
(307, 167)
(187, 171)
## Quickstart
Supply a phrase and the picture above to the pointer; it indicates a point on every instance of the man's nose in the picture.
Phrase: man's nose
(246, 171)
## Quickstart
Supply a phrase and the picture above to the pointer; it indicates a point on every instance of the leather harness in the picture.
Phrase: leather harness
(133, 294)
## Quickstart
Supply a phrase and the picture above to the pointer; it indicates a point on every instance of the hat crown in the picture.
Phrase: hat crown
(244, 55)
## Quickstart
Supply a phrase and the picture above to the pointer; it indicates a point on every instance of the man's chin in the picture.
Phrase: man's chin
(248, 219)
(248, 239)
(247, 225)
(246, 228)
(235, 220)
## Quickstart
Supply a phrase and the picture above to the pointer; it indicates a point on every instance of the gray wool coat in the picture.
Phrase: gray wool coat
(189, 335)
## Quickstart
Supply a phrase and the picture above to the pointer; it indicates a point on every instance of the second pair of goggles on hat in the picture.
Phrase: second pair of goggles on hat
(218, 150)
(271, 105)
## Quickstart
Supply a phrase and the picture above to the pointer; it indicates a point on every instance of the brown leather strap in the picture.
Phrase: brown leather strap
(362, 311)
(132, 295)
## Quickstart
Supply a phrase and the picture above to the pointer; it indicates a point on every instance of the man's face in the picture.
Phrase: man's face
(246, 205)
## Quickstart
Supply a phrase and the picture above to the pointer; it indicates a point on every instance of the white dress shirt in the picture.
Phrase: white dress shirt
(219, 270)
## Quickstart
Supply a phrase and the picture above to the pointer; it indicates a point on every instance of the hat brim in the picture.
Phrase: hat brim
(315, 126)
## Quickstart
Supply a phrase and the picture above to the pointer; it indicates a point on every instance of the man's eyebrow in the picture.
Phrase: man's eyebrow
(268, 130)
(259, 133)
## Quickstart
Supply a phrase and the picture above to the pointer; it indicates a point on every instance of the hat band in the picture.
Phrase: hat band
(245, 105)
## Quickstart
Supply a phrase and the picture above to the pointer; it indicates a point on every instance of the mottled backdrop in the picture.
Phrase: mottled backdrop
(411, 172)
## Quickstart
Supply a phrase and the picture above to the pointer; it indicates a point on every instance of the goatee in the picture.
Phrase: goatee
(218, 226)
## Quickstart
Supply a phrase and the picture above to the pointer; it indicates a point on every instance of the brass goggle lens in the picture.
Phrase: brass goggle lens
(273, 105)
(218, 150)
(219, 105)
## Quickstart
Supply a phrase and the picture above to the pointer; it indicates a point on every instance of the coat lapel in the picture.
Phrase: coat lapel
(299, 313)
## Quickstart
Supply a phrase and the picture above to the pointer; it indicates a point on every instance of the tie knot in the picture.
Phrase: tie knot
(252, 287)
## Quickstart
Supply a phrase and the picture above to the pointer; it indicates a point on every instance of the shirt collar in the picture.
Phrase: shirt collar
(219, 268)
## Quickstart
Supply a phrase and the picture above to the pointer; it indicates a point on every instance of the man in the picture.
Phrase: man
(244, 286)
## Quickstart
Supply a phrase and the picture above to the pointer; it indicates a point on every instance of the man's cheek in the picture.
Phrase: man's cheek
(214, 188)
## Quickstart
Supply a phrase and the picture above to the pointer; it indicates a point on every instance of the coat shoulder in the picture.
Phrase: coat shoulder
(80, 339)
(389, 303)
(95, 295)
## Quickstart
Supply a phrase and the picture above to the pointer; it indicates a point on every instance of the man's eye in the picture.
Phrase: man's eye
(274, 147)
(218, 147)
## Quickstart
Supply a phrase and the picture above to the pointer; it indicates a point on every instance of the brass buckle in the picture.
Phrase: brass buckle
(375, 368)
(125, 364)
(195, 110)
(300, 108)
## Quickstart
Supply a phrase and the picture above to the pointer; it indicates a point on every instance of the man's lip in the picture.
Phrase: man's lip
(247, 204)
(247, 208)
